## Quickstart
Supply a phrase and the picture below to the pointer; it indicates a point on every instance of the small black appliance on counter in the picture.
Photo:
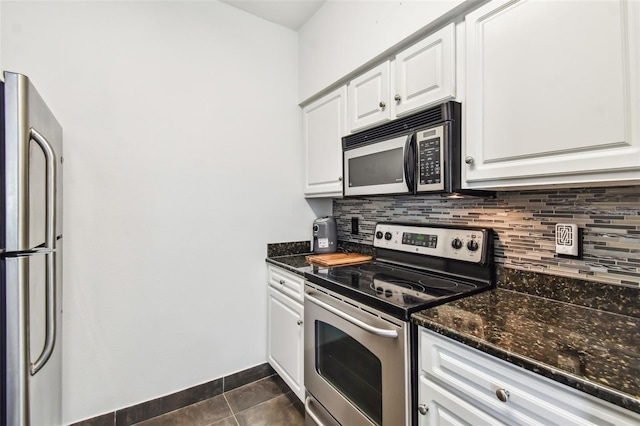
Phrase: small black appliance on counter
(325, 235)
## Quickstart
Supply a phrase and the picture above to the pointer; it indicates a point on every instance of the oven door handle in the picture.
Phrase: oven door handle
(307, 409)
(355, 321)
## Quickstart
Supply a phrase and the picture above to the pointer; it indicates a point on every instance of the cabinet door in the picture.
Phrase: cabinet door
(324, 124)
(440, 407)
(369, 98)
(425, 72)
(504, 391)
(552, 92)
(285, 340)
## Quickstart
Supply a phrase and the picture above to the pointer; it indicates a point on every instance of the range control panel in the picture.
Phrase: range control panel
(466, 244)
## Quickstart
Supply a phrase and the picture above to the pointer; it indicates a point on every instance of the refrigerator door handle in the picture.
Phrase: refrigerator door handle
(50, 239)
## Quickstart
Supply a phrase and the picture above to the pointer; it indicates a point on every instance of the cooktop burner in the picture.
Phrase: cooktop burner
(410, 276)
(400, 290)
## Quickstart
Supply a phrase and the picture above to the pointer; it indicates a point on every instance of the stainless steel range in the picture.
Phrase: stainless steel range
(358, 341)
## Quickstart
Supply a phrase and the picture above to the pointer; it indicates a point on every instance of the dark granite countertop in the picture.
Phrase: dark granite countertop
(295, 263)
(292, 256)
(591, 350)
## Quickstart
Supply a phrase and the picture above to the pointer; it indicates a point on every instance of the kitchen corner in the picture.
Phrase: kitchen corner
(578, 333)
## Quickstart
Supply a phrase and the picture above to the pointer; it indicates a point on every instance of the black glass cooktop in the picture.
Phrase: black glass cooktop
(397, 291)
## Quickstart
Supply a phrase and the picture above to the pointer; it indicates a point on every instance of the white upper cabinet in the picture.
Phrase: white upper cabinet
(415, 78)
(324, 124)
(345, 35)
(369, 98)
(552, 93)
(425, 72)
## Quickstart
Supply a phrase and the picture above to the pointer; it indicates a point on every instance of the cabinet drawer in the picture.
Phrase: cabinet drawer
(532, 399)
(289, 283)
(446, 408)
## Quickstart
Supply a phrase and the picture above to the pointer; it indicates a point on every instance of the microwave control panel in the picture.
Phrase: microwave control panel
(430, 159)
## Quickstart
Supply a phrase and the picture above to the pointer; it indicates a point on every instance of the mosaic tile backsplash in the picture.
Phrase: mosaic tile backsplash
(524, 223)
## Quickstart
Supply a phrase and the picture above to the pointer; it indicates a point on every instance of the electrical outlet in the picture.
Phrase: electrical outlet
(568, 240)
(354, 226)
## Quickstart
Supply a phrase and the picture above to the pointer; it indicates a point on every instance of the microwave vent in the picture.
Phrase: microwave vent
(431, 116)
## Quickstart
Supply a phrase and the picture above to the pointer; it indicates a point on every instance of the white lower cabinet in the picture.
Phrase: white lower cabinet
(442, 407)
(460, 385)
(285, 332)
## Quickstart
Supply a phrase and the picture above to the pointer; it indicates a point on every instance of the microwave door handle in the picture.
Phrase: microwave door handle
(409, 163)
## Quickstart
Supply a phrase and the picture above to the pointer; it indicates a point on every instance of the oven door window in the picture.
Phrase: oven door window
(351, 369)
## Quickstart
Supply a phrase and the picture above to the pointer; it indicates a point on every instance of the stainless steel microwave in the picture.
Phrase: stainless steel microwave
(420, 153)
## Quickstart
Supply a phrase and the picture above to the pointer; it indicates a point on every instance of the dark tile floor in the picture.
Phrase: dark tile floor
(267, 402)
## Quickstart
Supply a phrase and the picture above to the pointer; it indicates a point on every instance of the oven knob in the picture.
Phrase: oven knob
(387, 236)
(379, 290)
(379, 234)
(388, 293)
(472, 245)
(456, 243)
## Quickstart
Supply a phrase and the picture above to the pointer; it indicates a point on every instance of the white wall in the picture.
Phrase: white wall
(182, 161)
(345, 35)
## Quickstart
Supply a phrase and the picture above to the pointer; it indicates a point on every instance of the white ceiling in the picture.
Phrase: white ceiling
(288, 13)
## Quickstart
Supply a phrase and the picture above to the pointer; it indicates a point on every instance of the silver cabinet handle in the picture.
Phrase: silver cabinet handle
(50, 238)
(339, 178)
(355, 321)
(503, 395)
(299, 322)
(307, 409)
(469, 160)
(382, 104)
(397, 98)
(423, 409)
(281, 282)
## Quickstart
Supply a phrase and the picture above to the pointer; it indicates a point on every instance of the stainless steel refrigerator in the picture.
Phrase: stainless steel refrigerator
(30, 256)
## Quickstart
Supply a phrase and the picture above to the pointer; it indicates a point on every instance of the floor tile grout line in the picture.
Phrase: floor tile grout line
(250, 383)
(265, 401)
(233, 413)
(224, 395)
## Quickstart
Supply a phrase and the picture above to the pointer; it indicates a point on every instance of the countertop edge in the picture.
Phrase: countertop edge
(610, 395)
(282, 265)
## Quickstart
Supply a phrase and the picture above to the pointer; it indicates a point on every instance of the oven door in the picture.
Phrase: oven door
(356, 362)
(386, 167)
